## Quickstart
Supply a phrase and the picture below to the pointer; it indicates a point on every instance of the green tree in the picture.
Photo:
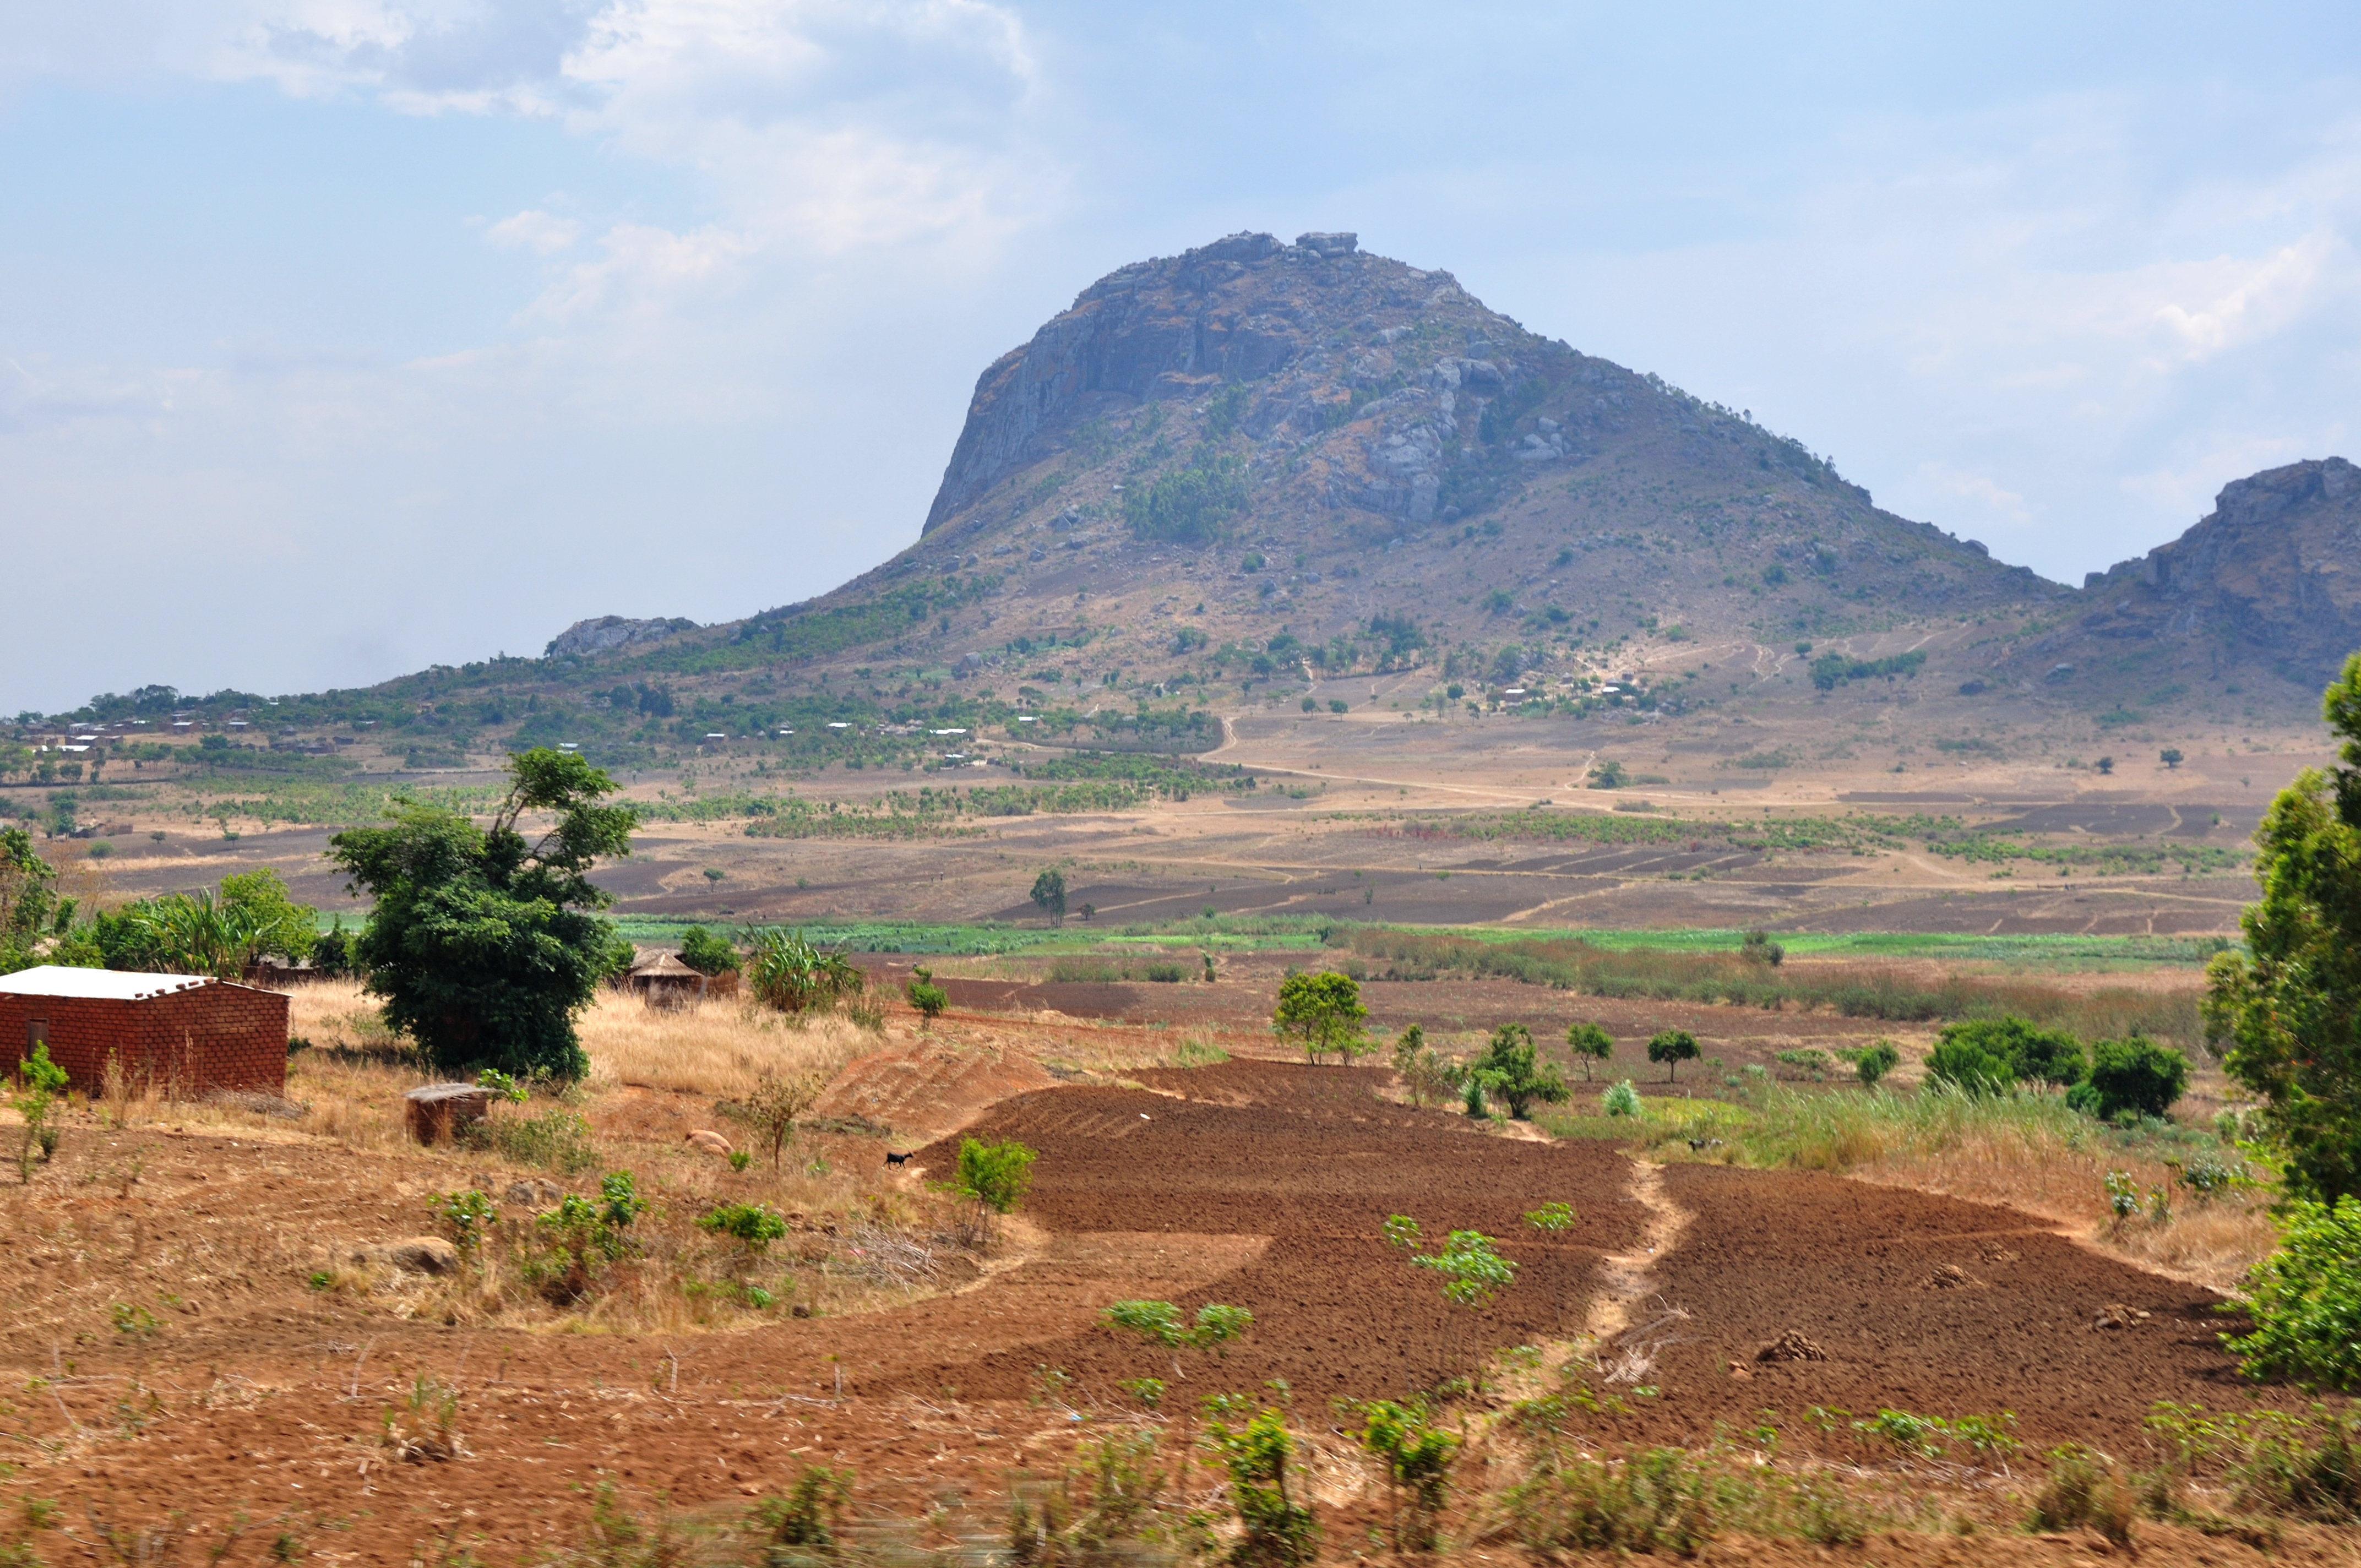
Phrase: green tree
(2289, 1008)
(1416, 1456)
(1321, 1013)
(1875, 1061)
(706, 953)
(924, 995)
(1590, 1043)
(486, 945)
(1513, 1071)
(2029, 1053)
(1050, 893)
(2132, 1074)
(28, 898)
(1967, 1065)
(1673, 1046)
(994, 1177)
(2171, 757)
(2305, 1299)
(274, 923)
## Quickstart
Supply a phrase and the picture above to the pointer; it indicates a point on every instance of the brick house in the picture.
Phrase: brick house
(181, 1033)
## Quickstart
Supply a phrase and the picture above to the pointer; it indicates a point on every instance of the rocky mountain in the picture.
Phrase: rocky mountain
(1220, 479)
(1256, 440)
(2267, 584)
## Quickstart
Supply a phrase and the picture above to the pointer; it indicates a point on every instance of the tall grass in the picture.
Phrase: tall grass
(719, 1049)
(1888, 993)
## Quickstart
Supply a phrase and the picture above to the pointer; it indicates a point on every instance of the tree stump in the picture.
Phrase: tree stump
(439, 1112)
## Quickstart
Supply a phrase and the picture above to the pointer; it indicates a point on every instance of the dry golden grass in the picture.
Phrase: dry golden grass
(2214, 1242)
(717, 1050)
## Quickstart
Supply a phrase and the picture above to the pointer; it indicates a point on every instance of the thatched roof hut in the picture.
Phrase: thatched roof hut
(662, 980)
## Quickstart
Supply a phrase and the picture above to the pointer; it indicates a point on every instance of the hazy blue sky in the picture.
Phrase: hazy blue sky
(342, 337)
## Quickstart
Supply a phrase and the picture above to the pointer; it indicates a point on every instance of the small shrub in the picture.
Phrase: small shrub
(556, 1140)
(469, 1217)
(1620, 1100)
(579, 1239)
(927, 998)
(1875, 1061)
(994, 1177)
(752, 1225)
(1416, 1458)
(1659, 1500)
(2082, 1490)
(772, 1107)
(1758, 949)
(806, 1517)
(1167, 973)
(1279, 1531)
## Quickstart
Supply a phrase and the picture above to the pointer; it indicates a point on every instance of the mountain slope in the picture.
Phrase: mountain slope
(2267, 584)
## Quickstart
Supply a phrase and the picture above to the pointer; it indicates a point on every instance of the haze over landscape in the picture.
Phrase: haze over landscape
(956, 783)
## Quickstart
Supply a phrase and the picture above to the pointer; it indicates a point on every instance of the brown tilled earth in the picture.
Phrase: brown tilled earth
(1263, 1185)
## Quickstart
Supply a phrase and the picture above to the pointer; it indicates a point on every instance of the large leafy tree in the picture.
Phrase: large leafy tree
(1321, 1013)
(2289, 1009)
(483, 943)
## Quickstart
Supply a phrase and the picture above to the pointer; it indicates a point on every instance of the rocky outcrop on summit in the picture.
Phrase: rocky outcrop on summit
(1154, 329)
(605, 633)
(2273, 571)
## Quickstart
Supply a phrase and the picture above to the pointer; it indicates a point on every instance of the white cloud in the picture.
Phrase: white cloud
(535, 230)
(646, 268)
(2247, 298)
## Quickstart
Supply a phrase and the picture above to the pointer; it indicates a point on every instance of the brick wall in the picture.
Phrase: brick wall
(214, 1037)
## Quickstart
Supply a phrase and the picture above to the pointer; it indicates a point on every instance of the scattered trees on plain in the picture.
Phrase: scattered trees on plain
(1590, 1043)
(1673, 1046)
(1513, 1073)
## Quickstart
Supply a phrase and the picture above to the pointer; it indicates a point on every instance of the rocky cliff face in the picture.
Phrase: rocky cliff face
(2272, 575)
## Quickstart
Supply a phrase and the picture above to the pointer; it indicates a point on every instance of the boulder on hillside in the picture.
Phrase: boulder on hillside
(608, 632)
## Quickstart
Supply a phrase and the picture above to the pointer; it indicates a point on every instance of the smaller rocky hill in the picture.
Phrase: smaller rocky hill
(2264, 587)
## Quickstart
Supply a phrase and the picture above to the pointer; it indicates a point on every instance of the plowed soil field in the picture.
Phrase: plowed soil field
(1257, 1184)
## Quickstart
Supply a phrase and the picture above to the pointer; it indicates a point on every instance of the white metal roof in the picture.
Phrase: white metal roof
(102, 984)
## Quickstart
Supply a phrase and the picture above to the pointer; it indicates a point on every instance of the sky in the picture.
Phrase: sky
(342, 337)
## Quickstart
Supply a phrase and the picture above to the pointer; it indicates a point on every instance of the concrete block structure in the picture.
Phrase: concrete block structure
(182, 1035)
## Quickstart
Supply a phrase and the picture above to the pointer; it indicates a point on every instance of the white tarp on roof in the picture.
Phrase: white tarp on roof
(102, 984)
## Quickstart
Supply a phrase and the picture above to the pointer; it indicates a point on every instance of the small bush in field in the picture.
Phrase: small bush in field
(2082, 1490)
(1874, 1062)
(1620, 1100)
(2134, 1074)
(927, 997)
(752, 1225)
